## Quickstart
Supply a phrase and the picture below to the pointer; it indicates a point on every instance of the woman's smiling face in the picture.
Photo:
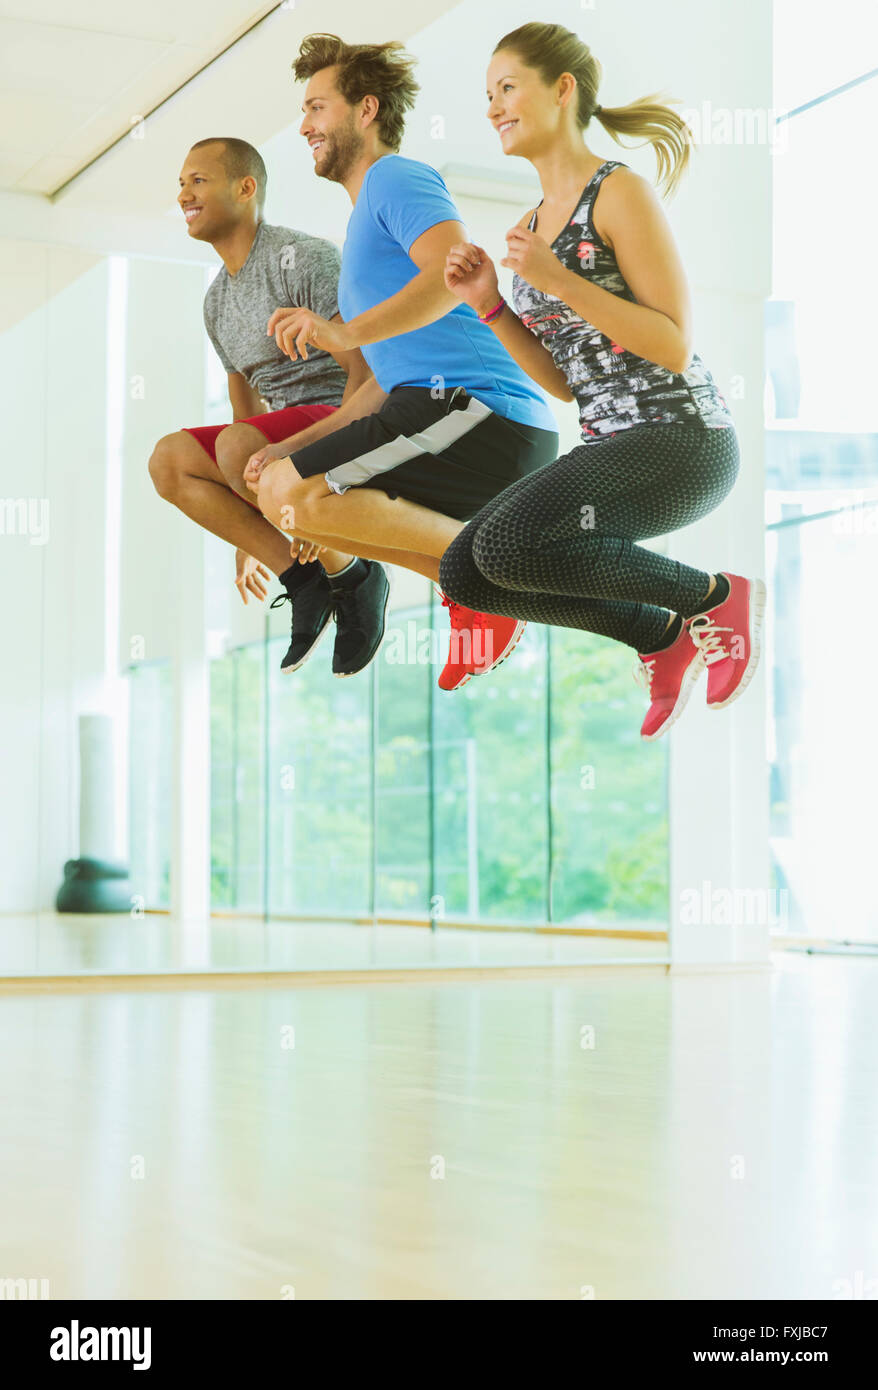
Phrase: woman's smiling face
(525, 112)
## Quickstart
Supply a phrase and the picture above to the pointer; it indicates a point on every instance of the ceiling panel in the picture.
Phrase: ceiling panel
(41, 174)
(72, 79)
(249, 92)
(199, 22)
(13, 167)
(69, 62)
(36, 121)
(80, 140)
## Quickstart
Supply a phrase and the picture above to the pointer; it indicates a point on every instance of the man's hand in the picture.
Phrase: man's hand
(259, 461)
(295, 328)
(305, 551)
(250, 574)
(470, 274)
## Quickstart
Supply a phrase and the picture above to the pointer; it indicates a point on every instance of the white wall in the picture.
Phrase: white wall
(59, 597)
(52, 448)
(164, 384)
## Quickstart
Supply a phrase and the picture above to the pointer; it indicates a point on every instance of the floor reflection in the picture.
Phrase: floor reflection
(68, 944)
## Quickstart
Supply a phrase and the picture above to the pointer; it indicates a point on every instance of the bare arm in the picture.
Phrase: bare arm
(364, 401)
(246, 402)
(528, 352)
(243, 399)
(353, 364)
(471, 276)
(250, 574)
(423, 300)
(362, 396)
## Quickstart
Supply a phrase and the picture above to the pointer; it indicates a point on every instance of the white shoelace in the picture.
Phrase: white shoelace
(644, 672)
(706, 637)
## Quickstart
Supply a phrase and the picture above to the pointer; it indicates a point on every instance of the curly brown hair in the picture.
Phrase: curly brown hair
(382, 70)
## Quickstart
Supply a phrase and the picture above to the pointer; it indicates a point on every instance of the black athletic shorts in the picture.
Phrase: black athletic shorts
(452, 454)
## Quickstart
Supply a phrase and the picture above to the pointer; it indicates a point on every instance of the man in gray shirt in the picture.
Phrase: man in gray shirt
(281, 265)
(200, 469)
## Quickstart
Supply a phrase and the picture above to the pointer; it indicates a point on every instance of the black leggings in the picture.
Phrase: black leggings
(557, 546)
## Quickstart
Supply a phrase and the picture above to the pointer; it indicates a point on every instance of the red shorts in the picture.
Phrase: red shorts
(276, 425)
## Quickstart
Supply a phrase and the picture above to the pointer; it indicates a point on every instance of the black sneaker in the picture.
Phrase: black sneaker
(312, 610)
(359, 619)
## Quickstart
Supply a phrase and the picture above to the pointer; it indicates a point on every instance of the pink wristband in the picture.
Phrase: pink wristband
(494, 312)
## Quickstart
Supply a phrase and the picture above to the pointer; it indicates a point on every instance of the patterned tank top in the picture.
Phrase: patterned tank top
(614, 388)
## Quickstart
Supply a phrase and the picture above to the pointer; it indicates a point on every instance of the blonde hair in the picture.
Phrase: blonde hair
(551, 50)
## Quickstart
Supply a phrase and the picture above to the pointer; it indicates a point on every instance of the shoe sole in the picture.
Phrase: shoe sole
(344, 675)
(450, 688)
(510, 648)
(288, 670)
(687, 685)
(757, 610)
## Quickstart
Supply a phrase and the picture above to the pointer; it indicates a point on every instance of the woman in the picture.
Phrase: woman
(602, 316)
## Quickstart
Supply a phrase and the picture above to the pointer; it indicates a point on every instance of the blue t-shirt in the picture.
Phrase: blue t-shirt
(399, 200)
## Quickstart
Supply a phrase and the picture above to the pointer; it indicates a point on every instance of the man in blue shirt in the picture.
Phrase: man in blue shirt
(449, 419)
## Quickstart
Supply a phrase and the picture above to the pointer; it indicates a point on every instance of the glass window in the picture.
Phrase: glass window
(237, 780)
(609, 790)
(404, 676)
(388, 797)
(319, 787)
(490, 787)
(223, 780)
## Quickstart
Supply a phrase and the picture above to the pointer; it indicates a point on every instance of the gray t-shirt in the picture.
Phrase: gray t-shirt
(283, 268)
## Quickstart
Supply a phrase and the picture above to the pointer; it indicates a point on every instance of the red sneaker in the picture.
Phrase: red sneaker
(458, 668)
(728, 638)
(494, 638)
(479, 642)
(670, 677)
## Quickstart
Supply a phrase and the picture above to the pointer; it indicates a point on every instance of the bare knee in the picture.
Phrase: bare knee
(285, 498)
(309, 494)
(233, 448)
(275, 498)
(167, 464)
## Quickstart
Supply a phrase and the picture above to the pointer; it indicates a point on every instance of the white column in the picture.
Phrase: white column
(718, 775)
(721, 903)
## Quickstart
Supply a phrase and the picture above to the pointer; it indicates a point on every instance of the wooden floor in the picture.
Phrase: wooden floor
(445, 1141)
